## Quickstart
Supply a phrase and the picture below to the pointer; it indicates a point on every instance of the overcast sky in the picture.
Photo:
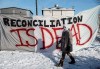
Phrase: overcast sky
(79, 5)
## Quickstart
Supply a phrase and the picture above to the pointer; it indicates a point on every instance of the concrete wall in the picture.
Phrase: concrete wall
(6, 11)
(47, 13)
(58, 13)
(68, 13)
(16, 11)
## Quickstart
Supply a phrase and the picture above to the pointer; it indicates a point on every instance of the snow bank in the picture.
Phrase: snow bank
(24, 60)
(87, 58)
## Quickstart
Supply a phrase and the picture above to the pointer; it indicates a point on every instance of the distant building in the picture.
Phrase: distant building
(58, 12)
(16, 11)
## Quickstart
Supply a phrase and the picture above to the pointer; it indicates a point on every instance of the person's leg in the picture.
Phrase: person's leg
(71, 57)
(61, 60)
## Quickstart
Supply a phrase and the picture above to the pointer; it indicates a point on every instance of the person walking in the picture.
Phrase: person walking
(66, 47)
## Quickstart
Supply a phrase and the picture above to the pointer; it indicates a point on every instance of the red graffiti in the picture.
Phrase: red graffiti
(18, 31)
(77, 34)
(75, 28)
(57, 37)
(43, 36)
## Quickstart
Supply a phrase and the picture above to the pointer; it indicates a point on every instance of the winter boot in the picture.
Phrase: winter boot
(72, 60)
(60, 64)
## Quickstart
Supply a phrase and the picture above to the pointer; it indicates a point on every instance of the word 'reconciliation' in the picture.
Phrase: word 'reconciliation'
(43, 23)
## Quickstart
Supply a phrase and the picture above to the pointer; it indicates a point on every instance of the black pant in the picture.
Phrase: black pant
(63, 57)
(69, 54)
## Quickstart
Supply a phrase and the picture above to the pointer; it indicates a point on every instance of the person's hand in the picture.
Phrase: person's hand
(58, 42)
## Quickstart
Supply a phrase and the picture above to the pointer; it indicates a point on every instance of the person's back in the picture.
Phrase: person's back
(70, 36)
(70, 40)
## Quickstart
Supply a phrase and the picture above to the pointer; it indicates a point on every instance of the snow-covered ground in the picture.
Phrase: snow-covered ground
(87, 58)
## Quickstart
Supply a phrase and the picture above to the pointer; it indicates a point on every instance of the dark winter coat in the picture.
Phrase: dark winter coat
(66, 45)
